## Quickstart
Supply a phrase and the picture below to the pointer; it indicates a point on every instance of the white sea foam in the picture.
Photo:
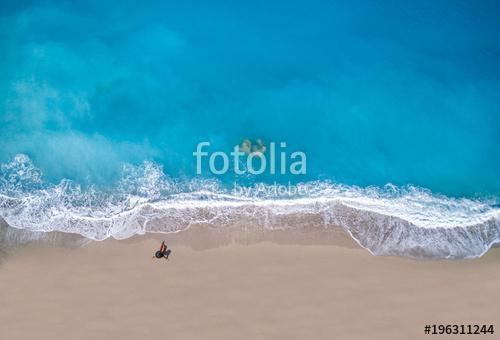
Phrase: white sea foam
(387, 221)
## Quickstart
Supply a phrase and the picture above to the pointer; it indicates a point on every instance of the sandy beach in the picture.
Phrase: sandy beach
(262, 290)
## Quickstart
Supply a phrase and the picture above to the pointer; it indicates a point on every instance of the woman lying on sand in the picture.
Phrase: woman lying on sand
(163, 252)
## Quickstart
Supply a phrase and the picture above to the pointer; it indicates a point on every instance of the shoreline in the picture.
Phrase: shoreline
(396, 238)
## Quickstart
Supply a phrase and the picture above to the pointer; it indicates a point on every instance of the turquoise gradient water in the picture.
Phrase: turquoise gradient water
(372, 92)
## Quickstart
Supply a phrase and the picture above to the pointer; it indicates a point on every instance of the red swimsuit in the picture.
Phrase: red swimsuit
(163, 247)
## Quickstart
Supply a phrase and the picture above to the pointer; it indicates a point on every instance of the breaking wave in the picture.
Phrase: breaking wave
(405, 221)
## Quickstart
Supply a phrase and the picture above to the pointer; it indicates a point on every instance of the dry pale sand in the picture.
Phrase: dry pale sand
(113, 290)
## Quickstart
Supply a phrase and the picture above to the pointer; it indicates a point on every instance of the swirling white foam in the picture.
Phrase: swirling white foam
(405, 221)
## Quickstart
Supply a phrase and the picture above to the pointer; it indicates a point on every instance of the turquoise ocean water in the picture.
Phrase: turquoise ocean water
(396, 106)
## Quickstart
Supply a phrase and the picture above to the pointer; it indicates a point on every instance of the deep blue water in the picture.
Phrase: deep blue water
(372, 92)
